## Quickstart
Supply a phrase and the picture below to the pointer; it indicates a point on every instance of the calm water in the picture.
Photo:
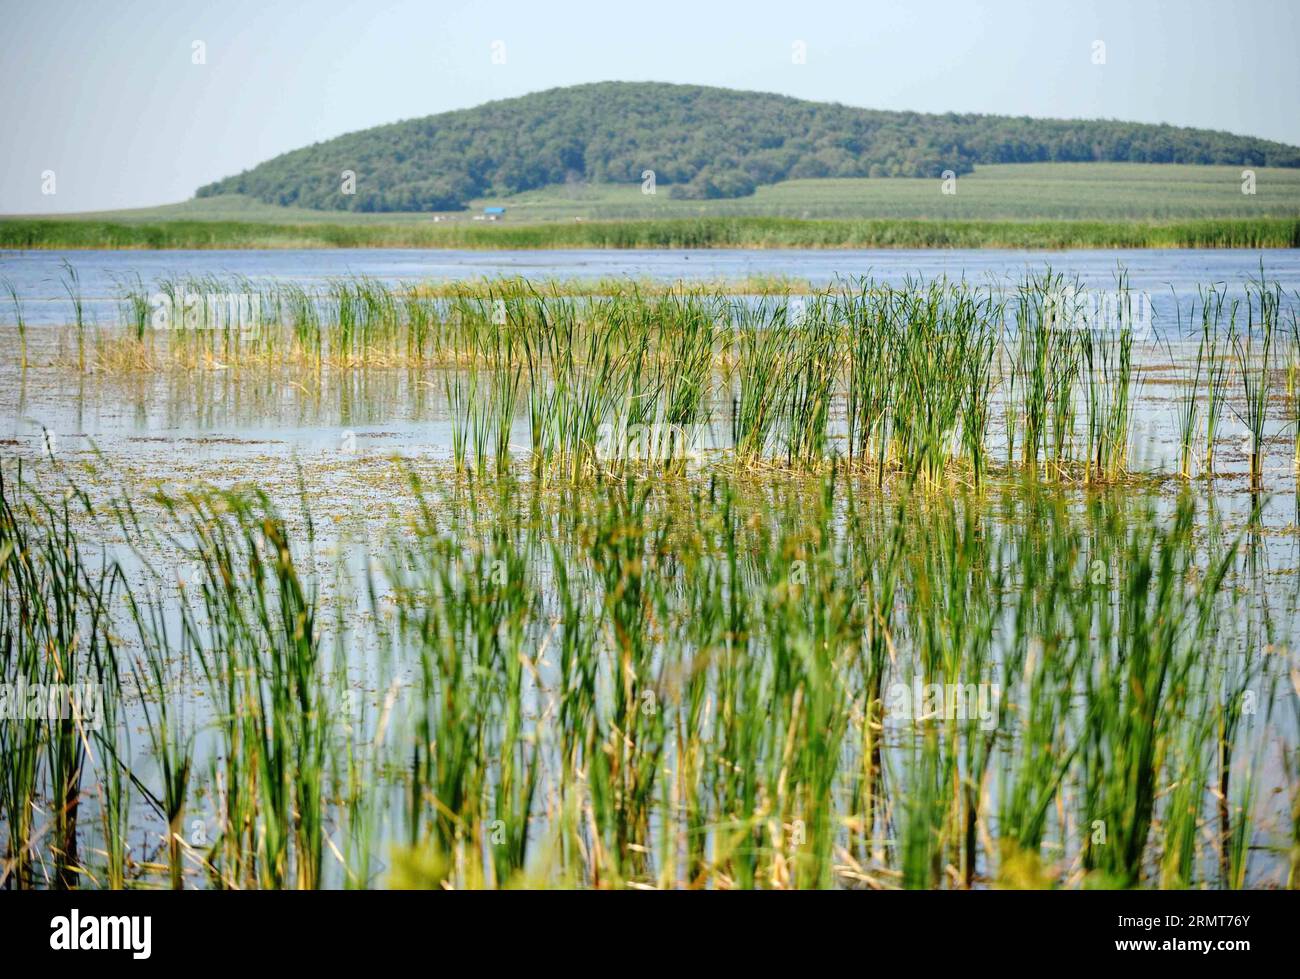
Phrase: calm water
(1164, 274)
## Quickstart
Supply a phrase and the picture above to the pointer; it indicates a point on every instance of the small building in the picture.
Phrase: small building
(494, 213)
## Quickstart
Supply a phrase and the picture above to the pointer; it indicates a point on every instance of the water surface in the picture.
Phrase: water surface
(1163, 273)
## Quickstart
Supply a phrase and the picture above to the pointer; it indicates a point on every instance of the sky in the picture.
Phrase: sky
(114, 100)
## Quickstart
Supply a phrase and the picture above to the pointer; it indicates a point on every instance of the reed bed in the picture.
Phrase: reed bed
(705, 232)
(937, 378)
(705, 683)
(856, 587)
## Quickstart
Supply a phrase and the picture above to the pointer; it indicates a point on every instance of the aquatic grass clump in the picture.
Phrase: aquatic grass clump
(1144, 665)
(764, 336)
(945, 337)
(54, 610)
(1254, 353)
(870, 381)
(1188, 408)
(935, 378)
(249, 625)
(1214, 347)
(135, 308)
(460, 617)
(1046, 367)
(1107, 346)
(1292, 383)
(20, 322)
(71, 282)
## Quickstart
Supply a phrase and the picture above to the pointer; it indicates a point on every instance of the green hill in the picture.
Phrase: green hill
(701, 143)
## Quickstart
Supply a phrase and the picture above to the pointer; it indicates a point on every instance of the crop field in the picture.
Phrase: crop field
(1032, 205)
(867, 586)
(998, 192)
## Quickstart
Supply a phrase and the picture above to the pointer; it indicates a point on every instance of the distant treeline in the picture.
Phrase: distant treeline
(737, 232)
(699, 142)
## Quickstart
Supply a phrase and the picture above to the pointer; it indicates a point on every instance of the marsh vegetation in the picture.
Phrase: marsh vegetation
(868, 586)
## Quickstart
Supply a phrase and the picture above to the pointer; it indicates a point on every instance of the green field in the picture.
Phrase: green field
(1009, 192)
(1048, 205)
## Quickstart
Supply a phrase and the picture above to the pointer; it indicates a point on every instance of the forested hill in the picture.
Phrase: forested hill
(700, 142)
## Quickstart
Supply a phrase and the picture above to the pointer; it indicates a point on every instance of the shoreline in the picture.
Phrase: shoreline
(32, 234)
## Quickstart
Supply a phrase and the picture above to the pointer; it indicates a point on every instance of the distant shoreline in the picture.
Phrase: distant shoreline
(667, 233)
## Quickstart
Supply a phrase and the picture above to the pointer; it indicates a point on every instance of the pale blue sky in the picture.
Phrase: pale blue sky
(106, 94)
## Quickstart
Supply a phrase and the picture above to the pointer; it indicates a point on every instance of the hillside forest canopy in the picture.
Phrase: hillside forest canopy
(701, 143)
